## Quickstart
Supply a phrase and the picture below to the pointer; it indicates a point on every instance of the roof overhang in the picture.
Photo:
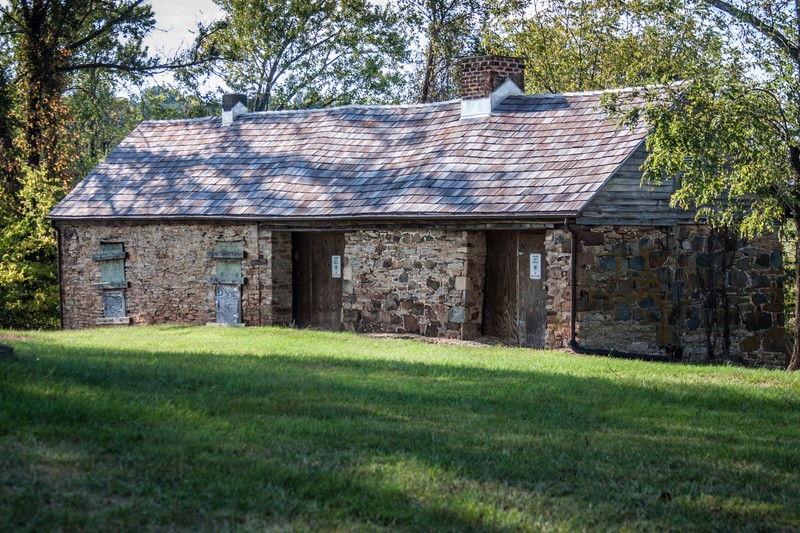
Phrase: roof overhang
(486, 221)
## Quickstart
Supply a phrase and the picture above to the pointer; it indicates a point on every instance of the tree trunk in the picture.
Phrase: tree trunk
(427, 81)
(794, 363)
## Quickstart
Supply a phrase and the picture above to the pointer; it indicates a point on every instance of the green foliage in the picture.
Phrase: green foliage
(578, 45)
(443, 31)
(307, 53)
(29, 278)
(210, 429)
(61, 66)
(100, 118)
(170, 103)
(732, 132)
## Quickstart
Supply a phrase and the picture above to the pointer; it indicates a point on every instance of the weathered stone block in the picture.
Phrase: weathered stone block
(658, 258)
(750, 344)
(759, 281)
(739, 279)
(457, 315)
(758, 298)
(608, 263)
(636, 263)
(591, 238)
(776, 260)
(585, 259)
(757, 320)
(392, 301)
(773, 340)
(622, 312)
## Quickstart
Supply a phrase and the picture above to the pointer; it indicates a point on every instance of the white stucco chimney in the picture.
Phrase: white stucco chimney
(233, 105)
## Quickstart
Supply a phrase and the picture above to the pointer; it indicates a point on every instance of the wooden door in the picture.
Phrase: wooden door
(515, 295)
(316, 283)
(229, 304)
(531, 290)
(500, 288)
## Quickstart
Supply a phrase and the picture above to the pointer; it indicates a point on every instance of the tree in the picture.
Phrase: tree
(169, 103)
(733, 135)
(59, 61)
(580, 45)
(445, 30)
(307, 53)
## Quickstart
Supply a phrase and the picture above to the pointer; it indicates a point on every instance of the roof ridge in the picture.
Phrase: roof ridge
(281, 112)
(177, 120)
(368, 107)
(350, 106)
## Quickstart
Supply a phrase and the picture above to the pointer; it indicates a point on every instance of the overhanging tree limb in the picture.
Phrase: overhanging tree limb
(772, 33)
(105, 28)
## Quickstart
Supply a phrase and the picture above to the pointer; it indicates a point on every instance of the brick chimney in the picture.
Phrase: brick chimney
(485, 82)
(233, 105)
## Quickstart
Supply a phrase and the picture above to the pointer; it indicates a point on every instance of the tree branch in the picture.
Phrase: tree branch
(132, 68)
(783, 42)
(110, 23)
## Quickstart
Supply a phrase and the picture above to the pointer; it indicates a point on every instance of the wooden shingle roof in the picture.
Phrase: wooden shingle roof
(534, 156)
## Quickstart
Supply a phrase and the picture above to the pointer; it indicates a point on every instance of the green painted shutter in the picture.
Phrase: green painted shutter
(113, 270)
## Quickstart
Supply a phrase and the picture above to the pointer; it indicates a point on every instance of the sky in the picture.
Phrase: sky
(175, 19)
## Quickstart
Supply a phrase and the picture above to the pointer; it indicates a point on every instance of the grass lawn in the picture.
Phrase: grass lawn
(183, 428)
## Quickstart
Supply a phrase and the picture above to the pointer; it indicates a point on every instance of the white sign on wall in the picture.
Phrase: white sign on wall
(336, 266)
(536, 266)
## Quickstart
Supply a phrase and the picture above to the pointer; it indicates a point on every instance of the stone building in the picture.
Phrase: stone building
(502, 214)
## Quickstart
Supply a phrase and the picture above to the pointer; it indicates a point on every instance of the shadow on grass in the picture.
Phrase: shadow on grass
(118, 438)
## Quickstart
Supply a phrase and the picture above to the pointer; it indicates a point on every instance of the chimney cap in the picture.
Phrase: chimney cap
(229, 101)
(233, 105)
(492, 57)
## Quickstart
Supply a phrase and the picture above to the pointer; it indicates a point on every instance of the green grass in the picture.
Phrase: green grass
(178, 428)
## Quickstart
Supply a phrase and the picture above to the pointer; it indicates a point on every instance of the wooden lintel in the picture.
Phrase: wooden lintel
(238, 254)
(109, 256)
(114, 285)
(226, 281)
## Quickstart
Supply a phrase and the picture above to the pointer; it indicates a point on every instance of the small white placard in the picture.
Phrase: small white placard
(336, 266)
(536, 266)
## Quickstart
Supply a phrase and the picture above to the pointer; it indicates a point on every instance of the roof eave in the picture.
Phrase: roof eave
(539, 216)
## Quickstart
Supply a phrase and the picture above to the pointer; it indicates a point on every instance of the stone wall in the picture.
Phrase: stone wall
(426, 282)
(557, 244)
(167, 270)
(275, 281)
(681, 291)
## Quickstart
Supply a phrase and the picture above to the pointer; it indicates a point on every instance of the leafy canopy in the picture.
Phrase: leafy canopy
(307, 53)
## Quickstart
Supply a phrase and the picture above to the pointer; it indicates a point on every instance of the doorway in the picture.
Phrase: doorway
(317, 262)
(515, 292)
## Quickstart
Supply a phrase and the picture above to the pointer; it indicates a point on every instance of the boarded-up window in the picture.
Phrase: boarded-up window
(229, 262)
(112, 265)
(113, 304)
(111, 259)
(228, 280)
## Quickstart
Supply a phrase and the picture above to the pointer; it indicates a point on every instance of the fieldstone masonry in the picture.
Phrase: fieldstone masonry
(426, 282)
(681, 291)
(167, 269)
(275, 277)
(559, 294)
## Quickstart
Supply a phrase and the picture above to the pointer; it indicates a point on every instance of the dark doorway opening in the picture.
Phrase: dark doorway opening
(317, 262)
(515, 290)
